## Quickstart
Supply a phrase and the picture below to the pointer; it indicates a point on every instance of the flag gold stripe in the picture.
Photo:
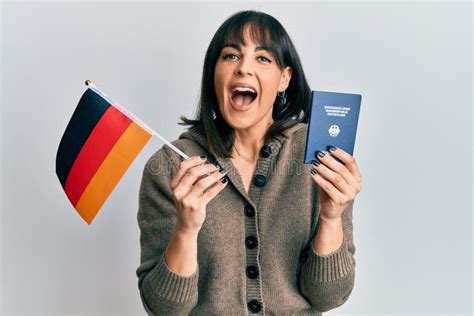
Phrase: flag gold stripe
(111, 171)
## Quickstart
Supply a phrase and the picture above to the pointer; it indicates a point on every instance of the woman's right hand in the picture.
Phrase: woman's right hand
(191, 192)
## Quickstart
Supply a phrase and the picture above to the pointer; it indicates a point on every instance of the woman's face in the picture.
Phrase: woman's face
(247, 80)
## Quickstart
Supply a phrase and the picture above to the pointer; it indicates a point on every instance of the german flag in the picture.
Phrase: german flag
(100, 142)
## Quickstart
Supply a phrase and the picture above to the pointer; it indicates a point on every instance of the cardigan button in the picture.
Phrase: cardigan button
(252, 272)
(259, 180)
(248, 210)
(251, 242)
(254, 306)
(266, 151)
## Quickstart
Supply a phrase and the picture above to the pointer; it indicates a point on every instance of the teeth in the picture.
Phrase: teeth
(243, 89)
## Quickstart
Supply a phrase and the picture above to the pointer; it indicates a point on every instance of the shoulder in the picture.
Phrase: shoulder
(296, 134)
(292, 146)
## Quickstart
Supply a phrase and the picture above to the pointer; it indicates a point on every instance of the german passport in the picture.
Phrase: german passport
(333, 121)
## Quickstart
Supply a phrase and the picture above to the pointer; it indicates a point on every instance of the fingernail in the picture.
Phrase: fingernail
(222, 170)
(321, 154)
(203, 157)
(316, 163)
(224, 181)
(312, 171)
(332, 148)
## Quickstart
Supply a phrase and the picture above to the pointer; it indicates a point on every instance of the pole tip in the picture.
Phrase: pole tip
(87, 82)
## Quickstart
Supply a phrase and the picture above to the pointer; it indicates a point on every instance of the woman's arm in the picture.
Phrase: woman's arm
(327, 275)
(163, 290)
(181, 253)
(329, 237)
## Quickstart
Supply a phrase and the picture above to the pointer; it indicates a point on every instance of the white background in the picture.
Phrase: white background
(411, 61)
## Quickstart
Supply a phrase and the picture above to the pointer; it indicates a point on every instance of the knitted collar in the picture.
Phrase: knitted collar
(201, 139)
(263, 165)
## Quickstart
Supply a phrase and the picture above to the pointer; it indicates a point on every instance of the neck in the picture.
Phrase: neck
(249, 141)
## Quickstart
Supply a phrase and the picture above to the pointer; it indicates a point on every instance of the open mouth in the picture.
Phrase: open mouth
(242, 97)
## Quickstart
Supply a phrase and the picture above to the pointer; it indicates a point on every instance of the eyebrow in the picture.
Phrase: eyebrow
(237, 47)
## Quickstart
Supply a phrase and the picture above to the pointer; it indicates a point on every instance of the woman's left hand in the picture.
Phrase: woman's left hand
(339, 182)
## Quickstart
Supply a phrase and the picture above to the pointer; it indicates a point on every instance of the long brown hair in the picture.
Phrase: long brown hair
(268, 32)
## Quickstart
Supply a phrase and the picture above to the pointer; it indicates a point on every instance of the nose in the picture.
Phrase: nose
(243, 67)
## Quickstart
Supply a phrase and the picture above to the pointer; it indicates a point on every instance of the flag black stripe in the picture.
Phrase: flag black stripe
(88, 112)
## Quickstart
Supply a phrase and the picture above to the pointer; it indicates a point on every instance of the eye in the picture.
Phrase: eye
(265, 59)
(226, 57)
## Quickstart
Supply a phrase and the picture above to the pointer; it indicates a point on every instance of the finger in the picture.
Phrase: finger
(195, 173)
(214, 190)
(200, 186)
(336, 166)
(334, 178)
(191, 176)
(328, 187)
(184, 166)
(349, 161)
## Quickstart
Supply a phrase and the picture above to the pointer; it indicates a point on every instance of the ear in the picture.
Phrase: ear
(285, 79)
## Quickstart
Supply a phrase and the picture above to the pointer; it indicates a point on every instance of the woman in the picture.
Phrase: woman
(243, 226)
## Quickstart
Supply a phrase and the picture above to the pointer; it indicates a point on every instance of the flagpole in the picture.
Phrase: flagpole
(138, 121)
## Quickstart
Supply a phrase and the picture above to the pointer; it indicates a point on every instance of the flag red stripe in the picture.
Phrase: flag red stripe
(111, 171)
(98, 145)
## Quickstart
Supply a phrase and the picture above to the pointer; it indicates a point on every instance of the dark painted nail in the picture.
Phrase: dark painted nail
(222, 170)
(203, 157)
(321, 154)
(332, 148)
(224, 181)
(312, 171)
(316, 163)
